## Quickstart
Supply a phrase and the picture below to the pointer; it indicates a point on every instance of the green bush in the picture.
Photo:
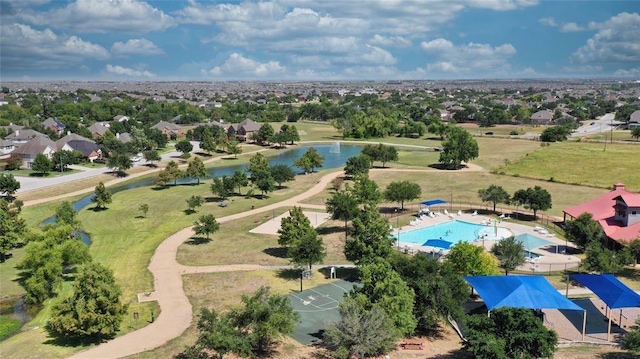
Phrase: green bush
(8, 327)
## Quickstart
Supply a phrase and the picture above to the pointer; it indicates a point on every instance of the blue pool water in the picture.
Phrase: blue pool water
(532, 242)
(453, 231)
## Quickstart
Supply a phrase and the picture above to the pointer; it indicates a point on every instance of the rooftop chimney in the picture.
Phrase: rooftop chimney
(619, 185)
(68, 133)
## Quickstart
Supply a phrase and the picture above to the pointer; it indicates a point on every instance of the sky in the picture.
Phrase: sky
(303, 40)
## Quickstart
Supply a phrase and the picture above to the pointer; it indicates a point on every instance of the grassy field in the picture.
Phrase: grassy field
(579, 163)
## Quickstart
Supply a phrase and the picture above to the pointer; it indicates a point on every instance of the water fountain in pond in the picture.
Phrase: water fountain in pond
(335, 148)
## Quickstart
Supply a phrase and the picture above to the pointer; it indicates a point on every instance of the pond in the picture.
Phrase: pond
(335, 156)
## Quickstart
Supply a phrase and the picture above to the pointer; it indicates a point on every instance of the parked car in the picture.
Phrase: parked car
(135, 159)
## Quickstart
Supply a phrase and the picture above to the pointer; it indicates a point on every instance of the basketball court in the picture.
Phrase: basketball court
(318, 307)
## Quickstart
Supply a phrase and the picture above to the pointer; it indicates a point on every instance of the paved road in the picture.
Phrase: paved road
(602, 124)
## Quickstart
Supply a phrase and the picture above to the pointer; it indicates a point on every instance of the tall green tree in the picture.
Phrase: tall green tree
(194, 202)
(366, 190)
(206, 225)
(342, 205)
(151, 156)
(381, 153)
(101, 197)
(510, 254)
(66, 214)
(294, 227)
(263, 134)
(635, 133)
(357, 165)
(631, 340)
(234, 148)
(282, 173)
(12, 228)
(63, 158)
(360, 332)
(603, 260)
(401, 191)
(196, 169)
(184, 146)
(93, 312)
(509, 333)
(535, 199)
(459, 146)
(309, 161)
(119, 162)
(307, 250)
(171, 172)
(383, 286)
(208, 143)
(584, 230)
(222, 186)
(371, 237)
(9, 185)
(468, 259)
(239, 180)
(41, 164)
(216, 332)
(494, 194)
(144, 208)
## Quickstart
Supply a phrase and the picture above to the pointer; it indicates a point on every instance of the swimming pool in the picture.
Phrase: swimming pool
(529, 241)
(454, 232)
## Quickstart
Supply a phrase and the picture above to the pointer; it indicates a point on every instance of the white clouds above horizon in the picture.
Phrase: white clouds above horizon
(135, 47)
(615, 41)
(128, 72)
(466, 58)
(101, 16)
(238, 65)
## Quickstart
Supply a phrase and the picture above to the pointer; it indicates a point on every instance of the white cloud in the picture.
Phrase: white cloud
(628, 72)
(548, 21)
(616, 41)
(101, 16)
(128, 72)
(571, 27)
(472, 57)
(23, 47)
(135, 47)
(391, 41)
(502, 5)
(237, 65)
(582, 69)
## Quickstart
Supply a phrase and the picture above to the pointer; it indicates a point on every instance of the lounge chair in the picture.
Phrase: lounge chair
(459, 213)
(432, 215)
(501, 215)
(507, 217)
(446, 212)
(475, 213)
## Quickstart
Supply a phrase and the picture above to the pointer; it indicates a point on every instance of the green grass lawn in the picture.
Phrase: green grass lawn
(578, 163)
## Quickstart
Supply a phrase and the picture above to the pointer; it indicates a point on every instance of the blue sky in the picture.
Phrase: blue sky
(291, 40)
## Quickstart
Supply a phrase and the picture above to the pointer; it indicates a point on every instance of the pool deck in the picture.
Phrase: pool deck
(549, 260)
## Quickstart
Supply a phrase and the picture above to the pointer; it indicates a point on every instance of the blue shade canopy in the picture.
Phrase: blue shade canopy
(608, 288)
(432, 202)
(438, 243)
(519, 291)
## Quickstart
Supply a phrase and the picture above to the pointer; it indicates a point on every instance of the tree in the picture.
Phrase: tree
(635, 133)
(307, 250)
(264, 133)
(282, 173)
(366, 190)
(66, 214)
(9, 185)
(93, 312)
(151, 156)
(631, 340)
(239, 180)
(555, 134)
(584, 230)
(14, 162)
(360, 332)
(494, 194)
(309, 161)
(264, 318)
(119, 162)
(509, 333)
(371, 237)
(208, 143)
(458, 147)
(342, 205)
(468, 259)
(222, 186)
(144, 208)
(12, 228)
(234, 148)
(102, 196)
(196, 169)
(402, 191)
(293, 227)
(257, 163)
(510, 254)
(41, 164)
(536, 199)
(194, 202)
(207, 224)
(170, 173)
(381, 153)
(602, 260)
(217, 333)
(358, 166)
(63, 158)
(184, 146)
(383, 286)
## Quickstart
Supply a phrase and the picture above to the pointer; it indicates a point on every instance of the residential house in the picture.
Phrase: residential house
(74, 142)
(124, 137)
(23, 136)
(30, 149)
(6, 147)
(54, 125)
(3, 101)
(634, 119)
(244, 130)
(169, 128)
(617, 212)
(543, 117)
(98, 130)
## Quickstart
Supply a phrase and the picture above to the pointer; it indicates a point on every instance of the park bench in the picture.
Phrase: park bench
(411, 344)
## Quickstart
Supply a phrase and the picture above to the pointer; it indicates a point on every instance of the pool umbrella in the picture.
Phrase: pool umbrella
(438, 243)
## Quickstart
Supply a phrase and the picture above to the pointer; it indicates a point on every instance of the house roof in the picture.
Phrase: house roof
(544, 115)
(84, 147)
(635, 116)
(52, 122)
(602, 209)
(35, 145)
(98, 128)
(166, 125)
(24, 135)
(249, 125)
